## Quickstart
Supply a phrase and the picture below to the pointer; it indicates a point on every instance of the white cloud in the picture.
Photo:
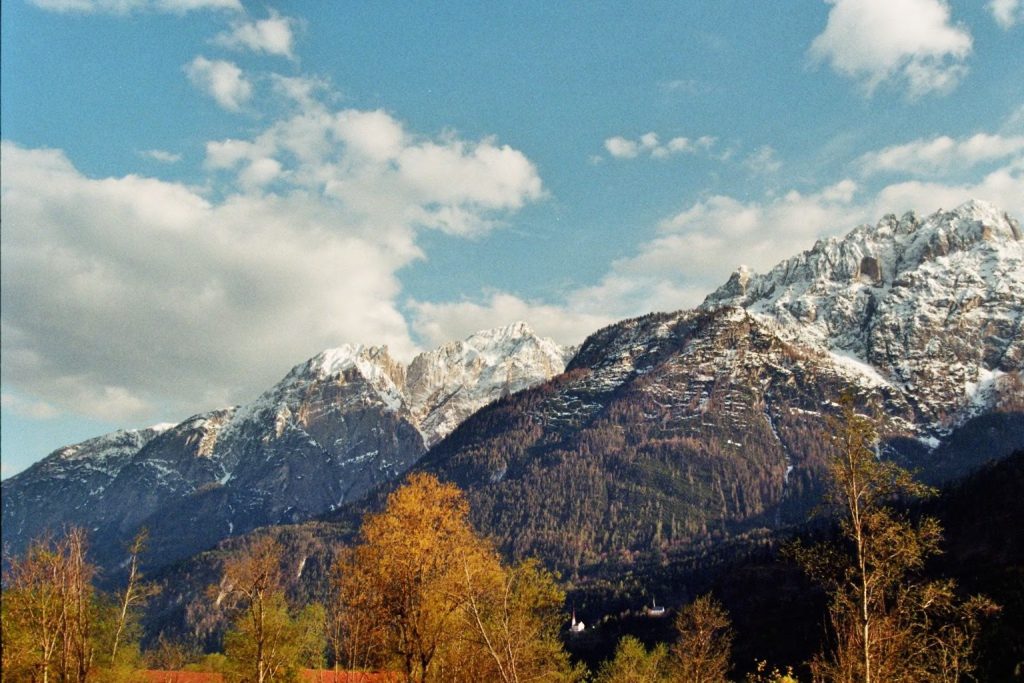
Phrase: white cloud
(437, 323)
(649, 143)
(696, 249)
(763, 161)
(222, 80)
(941, 154)
(448, 184)
(621, 148)
(128, 6)
(127, 297)
(273, 35)
(37, 410)
(688, 86)
(905, 43)
(374, 135)
(1003, 187)
(163, 156)
(1007, 13)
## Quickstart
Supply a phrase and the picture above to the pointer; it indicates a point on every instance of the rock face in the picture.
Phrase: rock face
(932, 307)
(332, 429)
(677, 430)
(448, 384)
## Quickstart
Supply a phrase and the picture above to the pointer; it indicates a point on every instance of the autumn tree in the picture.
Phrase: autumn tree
(427, 595)
(35, 612)
(355, 634)
(633, 663)
(887, 624)
(54, 621)
(135, 593)
(704, 646)
(512, 617)
(266, 643)
(49, 611)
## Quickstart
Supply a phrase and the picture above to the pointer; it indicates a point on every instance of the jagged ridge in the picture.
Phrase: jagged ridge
(337, 425)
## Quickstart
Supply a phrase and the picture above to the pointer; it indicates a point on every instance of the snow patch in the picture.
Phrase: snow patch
(853, 365)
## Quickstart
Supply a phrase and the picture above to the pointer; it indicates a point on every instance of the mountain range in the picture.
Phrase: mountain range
(337, 425)
(659, 435)
(676, 430)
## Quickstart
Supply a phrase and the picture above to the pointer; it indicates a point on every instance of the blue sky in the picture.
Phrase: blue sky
(199, 194)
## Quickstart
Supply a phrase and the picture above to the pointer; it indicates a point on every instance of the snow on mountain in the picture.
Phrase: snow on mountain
(932, 306)
(334, 427)
(678, 430)
(448, 384)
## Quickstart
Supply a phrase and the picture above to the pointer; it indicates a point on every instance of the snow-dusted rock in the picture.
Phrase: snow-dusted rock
(930, 306)
(334, 427)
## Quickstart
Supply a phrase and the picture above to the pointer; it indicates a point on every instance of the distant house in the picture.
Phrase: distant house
(576, 626)
(655, 610)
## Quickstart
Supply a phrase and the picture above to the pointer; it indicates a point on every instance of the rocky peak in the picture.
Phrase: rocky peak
(446, 385)
(933, 304)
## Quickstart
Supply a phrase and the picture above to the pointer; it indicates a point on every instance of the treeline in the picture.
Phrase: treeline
(425, 597)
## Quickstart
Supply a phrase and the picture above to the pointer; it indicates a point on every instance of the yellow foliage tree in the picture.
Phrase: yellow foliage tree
(705, 642)
(266, 643)
(888, 624)
(424, 593)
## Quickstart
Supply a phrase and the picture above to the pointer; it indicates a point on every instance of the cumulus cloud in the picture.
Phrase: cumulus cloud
(128, 297)
(273, 35)
(941, 154)
(1003, 187)
(452, 185)
(650, 144)
(128, 6)
(1007, 13)
(696, 249)
(221, 80)
(910, 44)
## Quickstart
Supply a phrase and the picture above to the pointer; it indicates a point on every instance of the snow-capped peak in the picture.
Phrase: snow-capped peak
(877, 295)
(446, 385)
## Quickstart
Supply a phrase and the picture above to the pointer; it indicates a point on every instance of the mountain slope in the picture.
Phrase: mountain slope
(679, 429)
(931, 306)
(336, 426)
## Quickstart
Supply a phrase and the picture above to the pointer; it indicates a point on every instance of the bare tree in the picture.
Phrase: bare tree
(888, 624)
(49, 611)
(135, 592)
(704, 647)
(253, 579)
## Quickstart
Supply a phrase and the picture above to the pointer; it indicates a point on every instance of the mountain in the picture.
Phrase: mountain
(677, 430)
(336, 426)
(932, 307)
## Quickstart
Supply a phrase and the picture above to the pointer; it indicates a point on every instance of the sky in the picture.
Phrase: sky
(199, 194)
